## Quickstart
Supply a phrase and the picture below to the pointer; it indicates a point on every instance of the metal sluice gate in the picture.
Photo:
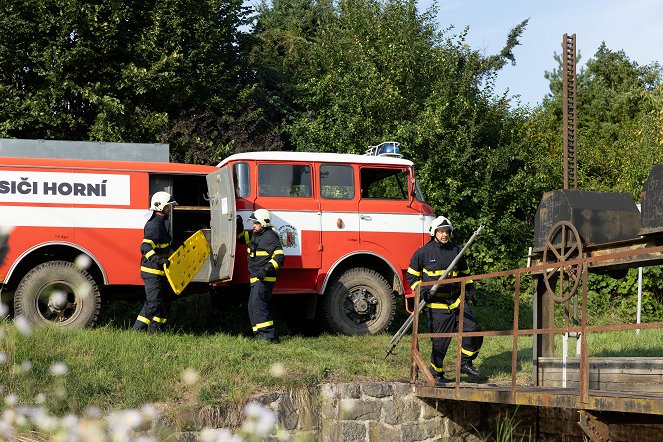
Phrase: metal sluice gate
(576, 233)
(581, 397)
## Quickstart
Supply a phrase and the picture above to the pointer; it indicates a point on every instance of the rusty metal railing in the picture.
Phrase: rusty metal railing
(420, 366)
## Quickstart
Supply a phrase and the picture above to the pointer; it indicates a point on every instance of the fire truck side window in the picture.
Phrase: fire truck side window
(242, 179)
(383, 183)
(284, 180)
(337, 182)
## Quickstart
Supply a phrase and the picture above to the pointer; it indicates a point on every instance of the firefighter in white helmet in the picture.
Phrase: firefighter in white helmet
(155, 250)
(265, 258)
(427, 264)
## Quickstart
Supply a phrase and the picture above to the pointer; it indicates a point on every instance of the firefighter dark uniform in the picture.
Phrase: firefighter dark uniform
(155, 250)
(427, 264)
(265, 258)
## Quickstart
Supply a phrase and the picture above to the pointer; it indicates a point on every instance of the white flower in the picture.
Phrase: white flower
(3, 357)
(266, 424)
(150, 413)
(218, 435)
(260, 420)
(26, 366)
(83, 261)
(59, 369)
(277, 370)
(190, 376)
(11, 400)
(93, 412)
(58, 299)
(253, 409)
(4, 310)
(22, 325)
(40, 398)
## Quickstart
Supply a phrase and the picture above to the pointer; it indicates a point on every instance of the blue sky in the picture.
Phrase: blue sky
(634, 26)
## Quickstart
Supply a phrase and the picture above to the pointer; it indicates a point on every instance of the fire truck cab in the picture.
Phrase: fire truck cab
(348, 225)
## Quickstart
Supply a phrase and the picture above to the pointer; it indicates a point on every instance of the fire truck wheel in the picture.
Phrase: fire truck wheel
(58, 293)
(359, 302)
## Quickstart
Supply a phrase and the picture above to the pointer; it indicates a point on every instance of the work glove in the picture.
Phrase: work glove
(470, 295)
(240, 225)
(426, 295)
(260, 274)
(163, 262)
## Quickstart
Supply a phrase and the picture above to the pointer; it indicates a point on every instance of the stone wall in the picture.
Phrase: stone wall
(378, 411)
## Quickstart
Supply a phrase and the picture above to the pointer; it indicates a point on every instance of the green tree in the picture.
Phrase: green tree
(618, 106)
(167, 71)
(373, 70)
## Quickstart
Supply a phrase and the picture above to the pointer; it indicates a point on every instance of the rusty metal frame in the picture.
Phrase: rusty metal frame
(535, 395)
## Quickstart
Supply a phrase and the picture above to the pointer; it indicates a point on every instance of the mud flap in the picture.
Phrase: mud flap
(187, 261)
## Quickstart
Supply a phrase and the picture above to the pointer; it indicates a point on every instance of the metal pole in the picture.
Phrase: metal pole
(408, 322)
(639, 313)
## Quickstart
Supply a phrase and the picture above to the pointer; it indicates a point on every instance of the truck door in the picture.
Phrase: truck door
(222, 235)
(386, 214)
(338, 206)
(286, 189)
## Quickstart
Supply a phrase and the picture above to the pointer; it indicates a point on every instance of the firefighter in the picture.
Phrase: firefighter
(427, 264)
(265, 258)
(155, 250)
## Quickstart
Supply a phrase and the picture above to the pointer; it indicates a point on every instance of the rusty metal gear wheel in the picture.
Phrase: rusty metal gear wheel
(562, 244)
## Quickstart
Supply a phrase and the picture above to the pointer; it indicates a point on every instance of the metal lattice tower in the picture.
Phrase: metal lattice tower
(569, 108)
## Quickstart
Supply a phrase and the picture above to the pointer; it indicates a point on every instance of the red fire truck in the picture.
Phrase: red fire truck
(348, 225)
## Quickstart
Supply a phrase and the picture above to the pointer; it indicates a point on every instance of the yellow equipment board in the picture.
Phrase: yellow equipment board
(187, 260)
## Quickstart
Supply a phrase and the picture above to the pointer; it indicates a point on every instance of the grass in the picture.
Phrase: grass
(111, 367)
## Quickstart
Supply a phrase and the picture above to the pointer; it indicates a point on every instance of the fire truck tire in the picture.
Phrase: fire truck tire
(58, 293)
(359, 302)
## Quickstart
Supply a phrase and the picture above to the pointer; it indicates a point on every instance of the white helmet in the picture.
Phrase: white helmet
(438, 223)
(160, 200)
(262, 216)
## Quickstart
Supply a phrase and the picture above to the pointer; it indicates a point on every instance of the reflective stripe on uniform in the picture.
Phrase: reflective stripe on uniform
(412, 271)
(155, 246)
(438, 272)
(445, 306)
(416, 283)
(149, 254)
(469, 353)
(261, 253)
(159, 320)
(153, 271)
(439, 370)
(275, 264)
(278, 252)
(262, 325)
(266, 279)
(143, 319)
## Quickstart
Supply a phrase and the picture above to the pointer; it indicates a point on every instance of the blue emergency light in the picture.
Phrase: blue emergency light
(386, 149)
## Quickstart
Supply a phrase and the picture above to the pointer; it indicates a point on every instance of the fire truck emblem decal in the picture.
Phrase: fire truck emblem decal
(288, 236)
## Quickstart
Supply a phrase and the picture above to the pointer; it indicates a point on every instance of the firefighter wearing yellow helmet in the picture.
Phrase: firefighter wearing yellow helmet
(155, 250)
(265, 258)
(427, 264)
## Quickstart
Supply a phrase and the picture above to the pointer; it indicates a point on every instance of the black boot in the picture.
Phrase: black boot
(468, 368)
(439, 377)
